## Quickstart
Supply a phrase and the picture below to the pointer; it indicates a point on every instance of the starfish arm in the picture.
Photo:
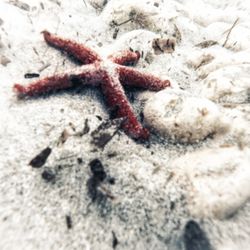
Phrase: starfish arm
(126, 58)
(120, 107)
(132, 77)
(82, 53)
(87, 74)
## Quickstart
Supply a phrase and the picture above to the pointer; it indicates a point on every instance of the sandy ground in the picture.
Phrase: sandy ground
(163, 194)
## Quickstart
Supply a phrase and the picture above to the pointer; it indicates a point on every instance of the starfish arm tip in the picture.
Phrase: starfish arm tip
(20, 90)
(46, 34)
(144, 135)
(136, 131)
(167, 83)
(138, 55)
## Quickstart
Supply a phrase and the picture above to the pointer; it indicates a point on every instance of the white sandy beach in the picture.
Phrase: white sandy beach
(187, 188)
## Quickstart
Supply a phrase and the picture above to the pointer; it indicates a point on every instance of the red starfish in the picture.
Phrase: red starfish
(109, 74)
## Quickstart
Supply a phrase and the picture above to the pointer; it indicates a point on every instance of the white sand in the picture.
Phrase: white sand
(159, 186)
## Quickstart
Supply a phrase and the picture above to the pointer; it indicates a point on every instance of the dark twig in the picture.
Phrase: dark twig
(229, 31)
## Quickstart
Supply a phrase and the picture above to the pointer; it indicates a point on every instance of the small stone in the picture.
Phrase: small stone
(79, 160)
(195, 238)
(182, 117)
(48, 175)
(97, 169)
(111, 180)
(217, 180)
(4, 60)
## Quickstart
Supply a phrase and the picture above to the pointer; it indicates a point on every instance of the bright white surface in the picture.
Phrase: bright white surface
(32, 212)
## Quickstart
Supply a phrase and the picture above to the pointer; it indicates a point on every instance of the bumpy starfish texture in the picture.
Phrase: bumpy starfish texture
(109, 73)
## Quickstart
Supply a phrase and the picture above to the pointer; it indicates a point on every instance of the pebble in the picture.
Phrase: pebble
(4, 60)
(181, 117)
(217, 180)
(195, 238)
(48, 175)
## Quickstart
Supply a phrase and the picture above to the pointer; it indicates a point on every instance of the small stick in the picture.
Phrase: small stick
(44, 67)
(124, 22)
(229, 32)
